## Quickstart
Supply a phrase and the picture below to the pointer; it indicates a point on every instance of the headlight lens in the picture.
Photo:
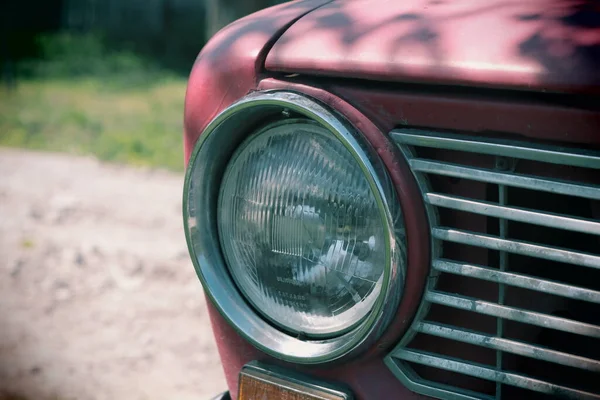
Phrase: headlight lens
(291, 219)
(301, 229)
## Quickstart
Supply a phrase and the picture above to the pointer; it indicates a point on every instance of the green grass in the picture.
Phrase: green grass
(82, 96)
(139, 124)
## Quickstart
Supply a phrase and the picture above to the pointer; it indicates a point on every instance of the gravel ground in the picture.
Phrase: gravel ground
(98, 298)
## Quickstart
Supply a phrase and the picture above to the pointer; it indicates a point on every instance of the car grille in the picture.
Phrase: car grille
(512, 305)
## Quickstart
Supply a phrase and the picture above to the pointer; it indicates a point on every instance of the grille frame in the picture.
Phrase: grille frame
(504, 151)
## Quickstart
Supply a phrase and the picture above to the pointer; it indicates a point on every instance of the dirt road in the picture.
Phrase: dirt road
(98, 298)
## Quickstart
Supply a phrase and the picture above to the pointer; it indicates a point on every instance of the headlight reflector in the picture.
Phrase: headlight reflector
(301, 230)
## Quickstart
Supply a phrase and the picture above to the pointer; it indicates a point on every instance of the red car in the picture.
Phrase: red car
(400, 199)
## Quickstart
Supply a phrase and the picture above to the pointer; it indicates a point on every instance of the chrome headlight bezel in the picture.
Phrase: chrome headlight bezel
(206, 166)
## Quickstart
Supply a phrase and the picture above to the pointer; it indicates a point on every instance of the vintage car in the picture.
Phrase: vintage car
(400, 199)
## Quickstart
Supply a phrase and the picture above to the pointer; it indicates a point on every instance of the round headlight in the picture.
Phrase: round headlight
(301, 229)
(294, 228)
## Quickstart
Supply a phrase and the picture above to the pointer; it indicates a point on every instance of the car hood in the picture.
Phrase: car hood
(542, 45)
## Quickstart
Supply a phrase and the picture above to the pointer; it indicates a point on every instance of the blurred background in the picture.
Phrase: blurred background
(98, 298)
(74, 73)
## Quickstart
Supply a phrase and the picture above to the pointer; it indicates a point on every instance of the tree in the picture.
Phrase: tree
(222, 12)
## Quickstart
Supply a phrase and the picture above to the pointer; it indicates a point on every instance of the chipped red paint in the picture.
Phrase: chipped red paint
(369, 378)
(358, 374)
(232, 65)
(226, 70)
(548, 45)
(480, 114)
(380, 112)
(228, 66)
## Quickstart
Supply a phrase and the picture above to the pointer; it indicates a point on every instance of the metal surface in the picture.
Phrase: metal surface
(518, 280)
(226, 70)
(541, 117)
(235, 351)
(207, 163)
(513, 313)
(499, 147)
(506, 154)
(227, 67)
(514, 214)
(259, 381)
(470, 43)
(517, 247)
(507, 345)
(483, 372)
(508, 179)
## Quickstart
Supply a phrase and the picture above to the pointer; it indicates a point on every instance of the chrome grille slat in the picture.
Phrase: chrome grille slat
(431, 158)
(507, 345)
(506, 148)
(435, 389)
(512, 313)
(518, 280)
(517, 247)
(485, 372)
(513, 213)
(506, 178)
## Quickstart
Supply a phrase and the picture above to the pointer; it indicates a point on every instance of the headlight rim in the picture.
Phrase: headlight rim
(270, 339)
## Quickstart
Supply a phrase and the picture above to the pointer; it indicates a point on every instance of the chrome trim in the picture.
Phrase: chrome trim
(491, 374)
(517, 247)
(518, 280)
(205, 169)
(507, 154)
(414, 382)
(513, 313)
(506, 178)
(437, 390)
(507, 345)
(514, 214)
(499, 147)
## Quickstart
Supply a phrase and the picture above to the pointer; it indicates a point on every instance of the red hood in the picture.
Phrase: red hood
(551, 45)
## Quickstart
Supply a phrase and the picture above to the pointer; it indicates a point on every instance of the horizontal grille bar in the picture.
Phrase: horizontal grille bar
(506, 148)
(437, 390)
(510, 346)
(513, 279)
(491, 374)
(512, 313)
(514, 213)
(502, 175)
(506, 178)
(517, 247)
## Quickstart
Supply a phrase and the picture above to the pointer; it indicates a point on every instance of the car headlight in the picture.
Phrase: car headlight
(301, 230)
(294, 228)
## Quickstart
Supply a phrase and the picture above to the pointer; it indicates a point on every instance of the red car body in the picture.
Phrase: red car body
(525, 69)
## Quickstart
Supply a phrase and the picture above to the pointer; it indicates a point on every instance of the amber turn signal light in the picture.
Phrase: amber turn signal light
(259, 382)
